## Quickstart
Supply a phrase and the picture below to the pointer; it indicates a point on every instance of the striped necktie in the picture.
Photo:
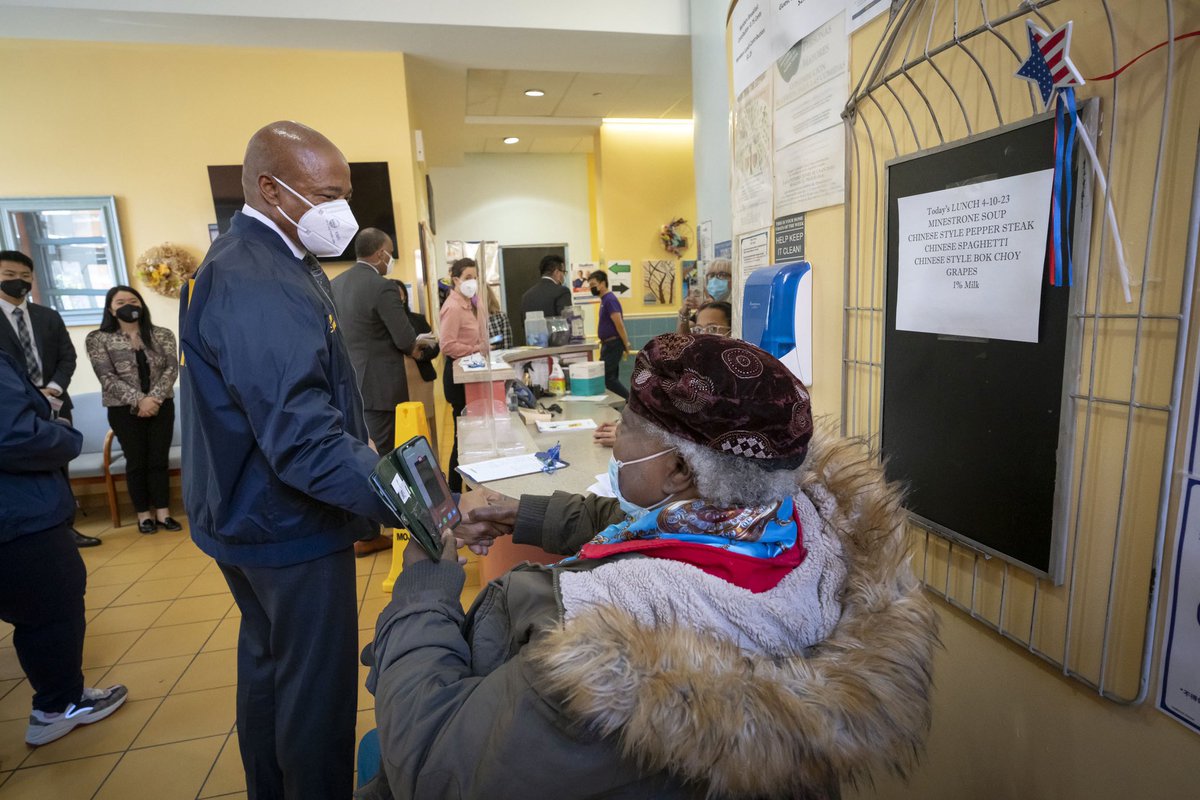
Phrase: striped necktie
(314, 267)
(31, 362)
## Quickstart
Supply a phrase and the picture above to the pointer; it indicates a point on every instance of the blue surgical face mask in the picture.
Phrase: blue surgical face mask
(614, 479)
(718, 288)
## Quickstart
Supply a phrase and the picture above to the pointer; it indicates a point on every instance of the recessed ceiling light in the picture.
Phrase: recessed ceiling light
(511, 140)
(534, 93)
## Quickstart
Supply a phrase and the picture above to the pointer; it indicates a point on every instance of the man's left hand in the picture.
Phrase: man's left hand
(50, 391)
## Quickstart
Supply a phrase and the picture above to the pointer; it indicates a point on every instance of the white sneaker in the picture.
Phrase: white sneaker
(95, 705)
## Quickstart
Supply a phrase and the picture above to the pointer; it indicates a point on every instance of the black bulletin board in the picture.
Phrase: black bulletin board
(974, 427)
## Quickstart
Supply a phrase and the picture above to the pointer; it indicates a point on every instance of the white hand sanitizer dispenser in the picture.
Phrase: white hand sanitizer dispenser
(777, 314)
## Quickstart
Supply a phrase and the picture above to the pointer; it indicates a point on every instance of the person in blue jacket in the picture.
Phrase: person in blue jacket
(276, 460)
(42, 577)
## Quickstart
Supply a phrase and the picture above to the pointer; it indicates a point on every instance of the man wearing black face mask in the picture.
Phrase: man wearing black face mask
(36, 336)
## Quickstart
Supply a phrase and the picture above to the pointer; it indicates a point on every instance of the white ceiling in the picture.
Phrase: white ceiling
(492, 92)
(468, 61)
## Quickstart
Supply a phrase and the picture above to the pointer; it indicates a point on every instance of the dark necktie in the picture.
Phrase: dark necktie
(314, 268)
(31, 363)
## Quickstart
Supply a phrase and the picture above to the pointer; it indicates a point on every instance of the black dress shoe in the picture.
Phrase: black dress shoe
(84, 541)
(147, 526)
(169, 524)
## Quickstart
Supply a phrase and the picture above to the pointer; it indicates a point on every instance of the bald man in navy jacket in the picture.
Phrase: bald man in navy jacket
(275, 467)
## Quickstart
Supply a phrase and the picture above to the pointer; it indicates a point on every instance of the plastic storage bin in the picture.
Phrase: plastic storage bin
(587, 378)
(537, 333)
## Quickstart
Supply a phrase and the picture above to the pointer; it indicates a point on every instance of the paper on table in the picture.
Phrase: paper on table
(497, 469)
(555, 426)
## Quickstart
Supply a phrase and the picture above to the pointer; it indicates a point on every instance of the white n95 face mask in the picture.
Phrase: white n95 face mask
(326, 230)
(469, 288)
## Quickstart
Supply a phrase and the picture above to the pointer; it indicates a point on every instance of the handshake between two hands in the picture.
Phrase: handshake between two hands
(487, 516)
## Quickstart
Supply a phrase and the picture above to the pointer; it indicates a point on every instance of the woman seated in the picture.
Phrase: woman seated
(743, 624)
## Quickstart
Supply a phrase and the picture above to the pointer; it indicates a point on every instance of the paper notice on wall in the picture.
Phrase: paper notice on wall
(1180, 693)
(811, 173)
(753, 41)
(752, 157)
(795, 19)
(754, 252)
(818, 62)
(763, 30)
(704, 241)
(971, 258)
(863, 11)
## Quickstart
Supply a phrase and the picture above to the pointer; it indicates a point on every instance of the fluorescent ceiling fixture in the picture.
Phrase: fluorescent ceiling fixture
(674, 123)
(511, 139)
(534, 93)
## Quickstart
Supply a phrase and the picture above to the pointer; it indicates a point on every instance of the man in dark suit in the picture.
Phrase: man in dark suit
(378, 334)
(37, 337)
(548, 295)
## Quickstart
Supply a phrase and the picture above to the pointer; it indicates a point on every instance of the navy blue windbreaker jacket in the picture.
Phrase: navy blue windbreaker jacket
(34, 492)
(275, 460)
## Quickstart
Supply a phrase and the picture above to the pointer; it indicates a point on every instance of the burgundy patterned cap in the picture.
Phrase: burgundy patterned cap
(725, 394)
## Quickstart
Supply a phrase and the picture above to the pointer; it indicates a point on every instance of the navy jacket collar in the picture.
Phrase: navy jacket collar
(251, 228)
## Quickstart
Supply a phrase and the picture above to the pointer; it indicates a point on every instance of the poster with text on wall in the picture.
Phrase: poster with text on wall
(811, 81)
(1180, 691)
(579, 278)
(763, 30)
(752, 157)
(620, 277)
(971, 258)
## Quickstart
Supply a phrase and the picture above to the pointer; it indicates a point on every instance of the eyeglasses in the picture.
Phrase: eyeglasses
(716, 330)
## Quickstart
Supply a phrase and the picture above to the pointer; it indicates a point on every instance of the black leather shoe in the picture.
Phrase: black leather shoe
(169, 524)
(85, 541)
(147, 526)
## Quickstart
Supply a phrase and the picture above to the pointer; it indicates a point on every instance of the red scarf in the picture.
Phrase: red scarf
(754, 574)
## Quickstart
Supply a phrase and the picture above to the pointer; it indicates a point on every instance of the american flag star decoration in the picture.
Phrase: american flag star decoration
(1049, 63)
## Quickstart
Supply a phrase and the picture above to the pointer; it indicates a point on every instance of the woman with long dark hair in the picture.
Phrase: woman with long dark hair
(137, 365)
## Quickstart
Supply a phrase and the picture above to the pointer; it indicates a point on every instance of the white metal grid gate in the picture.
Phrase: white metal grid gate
(924, 86)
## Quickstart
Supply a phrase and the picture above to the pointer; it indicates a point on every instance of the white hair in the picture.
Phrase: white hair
(727, 480)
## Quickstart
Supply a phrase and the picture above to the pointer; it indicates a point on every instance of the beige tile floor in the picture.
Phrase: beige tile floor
(161, 621)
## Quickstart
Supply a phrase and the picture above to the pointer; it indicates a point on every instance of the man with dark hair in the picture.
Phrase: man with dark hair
(276, 460)
(36, 336)
(610, 328)
(378, 334)
(548, 295)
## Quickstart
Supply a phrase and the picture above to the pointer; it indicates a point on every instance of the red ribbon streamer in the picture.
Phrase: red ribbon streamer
(1112, 75)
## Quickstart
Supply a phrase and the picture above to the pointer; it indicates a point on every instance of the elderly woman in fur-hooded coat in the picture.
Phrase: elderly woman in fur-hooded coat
(741, 622)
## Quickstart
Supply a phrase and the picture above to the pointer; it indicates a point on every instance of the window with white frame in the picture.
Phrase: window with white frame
(75, 244)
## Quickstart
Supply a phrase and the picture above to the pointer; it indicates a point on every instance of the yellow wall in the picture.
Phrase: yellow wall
(645, 179)
(1006, 724)
(142, 122)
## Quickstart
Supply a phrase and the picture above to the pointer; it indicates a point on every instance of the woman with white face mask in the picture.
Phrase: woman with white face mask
(460, 336)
